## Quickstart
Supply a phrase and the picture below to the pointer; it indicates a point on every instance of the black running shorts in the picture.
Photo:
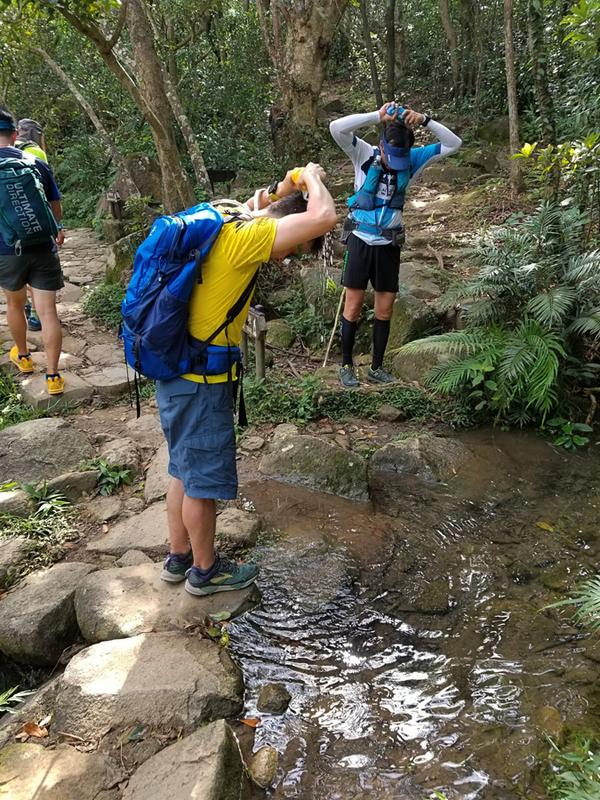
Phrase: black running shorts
(37, 266)
(378, 263)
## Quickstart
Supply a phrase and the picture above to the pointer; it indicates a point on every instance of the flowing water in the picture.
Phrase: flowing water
(416, 646)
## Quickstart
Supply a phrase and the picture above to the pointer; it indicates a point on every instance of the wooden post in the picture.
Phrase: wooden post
(256, 328)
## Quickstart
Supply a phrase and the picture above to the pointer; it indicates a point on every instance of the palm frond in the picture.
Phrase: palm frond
(552, 307)
(586, 324)
(581, 267)
(586, 600)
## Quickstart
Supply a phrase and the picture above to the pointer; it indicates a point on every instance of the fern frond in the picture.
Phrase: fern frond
(587, 324)
(586, 265)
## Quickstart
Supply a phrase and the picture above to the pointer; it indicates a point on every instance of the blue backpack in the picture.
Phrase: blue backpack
(166, 267)
(25, 214)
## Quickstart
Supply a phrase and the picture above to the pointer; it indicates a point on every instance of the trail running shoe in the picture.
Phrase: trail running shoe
(33, 322)
(55, 384)
(24, 363)
(379, 375)
(175, 566)
(225, 576)
(348, 377)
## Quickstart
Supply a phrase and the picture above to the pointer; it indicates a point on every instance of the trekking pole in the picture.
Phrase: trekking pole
(335, 324)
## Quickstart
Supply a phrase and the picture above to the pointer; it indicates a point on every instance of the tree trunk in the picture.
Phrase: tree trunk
(538, 55)
(298, 39)
(103, 134)
(401, 49)
(183, 121)
(452, 45)
(151, 76)
(390, 49)
(364, 15)
(516, 178)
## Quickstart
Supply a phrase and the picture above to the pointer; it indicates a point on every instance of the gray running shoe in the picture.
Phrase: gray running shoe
(379, 375)
(175, 566)
(348, 377)
(225, 576)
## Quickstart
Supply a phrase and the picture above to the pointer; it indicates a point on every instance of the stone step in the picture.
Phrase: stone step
(125, 601)
(169, 681)
(207, 764)
(35, 393)
(37, 618)
(147, 532)
(58, 773)
(109, 381)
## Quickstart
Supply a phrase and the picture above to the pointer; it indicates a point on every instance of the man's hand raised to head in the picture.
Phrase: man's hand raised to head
(310, 170)
(383, 114)
(413, 117)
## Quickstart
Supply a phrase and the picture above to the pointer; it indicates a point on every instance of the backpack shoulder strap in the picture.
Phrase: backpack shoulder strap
(236, 308)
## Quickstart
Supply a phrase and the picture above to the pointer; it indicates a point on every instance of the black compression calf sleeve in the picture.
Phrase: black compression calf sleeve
(381, 333)
(348, 337)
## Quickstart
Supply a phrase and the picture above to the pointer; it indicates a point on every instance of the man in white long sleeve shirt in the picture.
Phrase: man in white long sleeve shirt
(375, 227)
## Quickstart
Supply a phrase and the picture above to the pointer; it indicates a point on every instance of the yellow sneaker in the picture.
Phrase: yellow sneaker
(55, 384)
(22, 363)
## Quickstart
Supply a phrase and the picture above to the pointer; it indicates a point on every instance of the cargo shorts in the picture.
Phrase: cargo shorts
(197, 420)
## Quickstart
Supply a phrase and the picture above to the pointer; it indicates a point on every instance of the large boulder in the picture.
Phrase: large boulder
(237, 527)
(279, 334)
(147, 532)
(495, 130)
(317, 464)
(412, 318)
(37, 618)
(167, 681)
(40, 449)
(124, 601)
(419, 280)
(416, 366)
(146, 430)
(414, 467)
(157, 477)
(207, 764)
(15, 502)
(13, 551)
(119, 261)
(29, 771)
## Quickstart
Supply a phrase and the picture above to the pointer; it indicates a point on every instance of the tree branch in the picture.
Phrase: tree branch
(116, 35)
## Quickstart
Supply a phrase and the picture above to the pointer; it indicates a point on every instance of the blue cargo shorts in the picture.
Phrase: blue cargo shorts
(197, 420)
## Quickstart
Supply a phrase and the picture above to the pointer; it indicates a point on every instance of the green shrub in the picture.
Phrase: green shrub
(12, 408)
(111, 476)
(575, 772)
(280, 400)
(103, 303)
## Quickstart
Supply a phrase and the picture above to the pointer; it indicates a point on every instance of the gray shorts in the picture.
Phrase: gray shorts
(37, 266)
(197, 420)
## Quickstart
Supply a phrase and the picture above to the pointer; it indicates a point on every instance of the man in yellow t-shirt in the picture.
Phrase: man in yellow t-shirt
(196, 410)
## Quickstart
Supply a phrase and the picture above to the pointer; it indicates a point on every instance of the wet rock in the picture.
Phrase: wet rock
(35, 392)
(279, 334)
(13, 551)
(74, 485)
(263, 766)
(61, 773)
(238, 527)
(133, 558)
(318, 464)
(17, 503)
(207, 764)
(108, 382)
(104, 508)
(147, 532)
(412, 318)
(431, 459)
(37, 618)
(146, 431)
(389, 413)
(122, 453)
(421, 595)
(40, 449)
(168, 681)
(419, 280)
(157, 478)
(273, 698)
(124, 601)
(549, 721)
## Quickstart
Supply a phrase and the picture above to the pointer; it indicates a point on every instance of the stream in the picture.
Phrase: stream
(416, 644)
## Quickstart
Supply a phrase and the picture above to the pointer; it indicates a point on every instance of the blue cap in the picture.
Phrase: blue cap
(397, 158)
(6, 125)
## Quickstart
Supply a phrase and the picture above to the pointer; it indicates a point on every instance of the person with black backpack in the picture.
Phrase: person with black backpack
(30, 230)
(193, 342)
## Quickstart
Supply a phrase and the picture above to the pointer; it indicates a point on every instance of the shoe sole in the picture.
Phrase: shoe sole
(199, 592)
(55, 394)
(170, 578)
